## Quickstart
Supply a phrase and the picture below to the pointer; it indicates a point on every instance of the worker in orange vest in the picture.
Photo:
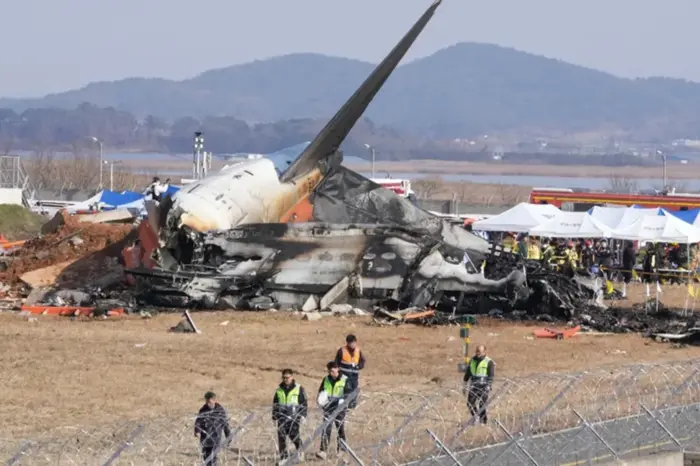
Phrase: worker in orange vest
(351, 361)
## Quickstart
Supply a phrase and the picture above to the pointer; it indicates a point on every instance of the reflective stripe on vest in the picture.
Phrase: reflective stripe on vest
(347, 360)
(288, 399)
(479, 371)
(533, 252)
(334, 391)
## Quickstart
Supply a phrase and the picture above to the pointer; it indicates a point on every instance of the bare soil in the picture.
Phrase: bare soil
(58, 371)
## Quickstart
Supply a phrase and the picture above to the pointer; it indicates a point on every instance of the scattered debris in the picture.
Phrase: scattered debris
(186, 325)
(72, 311)
(60, 248)
(557, 334)
(312, 316)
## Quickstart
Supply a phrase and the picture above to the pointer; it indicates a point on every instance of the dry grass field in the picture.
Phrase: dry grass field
(59, 372)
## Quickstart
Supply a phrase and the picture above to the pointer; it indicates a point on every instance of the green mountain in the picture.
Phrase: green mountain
(460, 91)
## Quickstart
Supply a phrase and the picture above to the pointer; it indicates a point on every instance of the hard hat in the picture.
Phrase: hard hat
(322, 399)
(587, 242)
(570, 244)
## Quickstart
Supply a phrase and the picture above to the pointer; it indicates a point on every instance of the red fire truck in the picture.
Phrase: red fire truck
(400, 187)
(570, 200)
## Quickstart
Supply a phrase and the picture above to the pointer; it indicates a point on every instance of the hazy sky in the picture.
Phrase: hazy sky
(51, 45)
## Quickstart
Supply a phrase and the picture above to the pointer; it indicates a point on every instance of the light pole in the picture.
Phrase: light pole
(371, 149)
(94, 139)
(111, 172)
(663, 160)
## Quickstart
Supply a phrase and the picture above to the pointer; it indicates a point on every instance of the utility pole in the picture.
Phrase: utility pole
(372, 151)
(197, 155)
(94, 139)
(663, 161)
(111, 173)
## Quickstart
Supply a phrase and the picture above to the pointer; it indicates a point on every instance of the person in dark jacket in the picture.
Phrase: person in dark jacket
(629, 260)
(479, 377)
(604, 256)
(588, 258)
(653, 260)
(211, 422)
(351, 360)
(332, 395)
(289, 409)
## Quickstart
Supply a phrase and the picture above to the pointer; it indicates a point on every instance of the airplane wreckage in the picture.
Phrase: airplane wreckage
(270, 232)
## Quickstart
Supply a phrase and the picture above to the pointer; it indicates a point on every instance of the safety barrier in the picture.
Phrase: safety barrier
(571, 419)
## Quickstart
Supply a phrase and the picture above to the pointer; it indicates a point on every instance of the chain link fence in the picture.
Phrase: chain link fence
(581, 418)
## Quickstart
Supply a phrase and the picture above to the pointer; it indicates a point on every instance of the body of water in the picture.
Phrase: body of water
(543, 181)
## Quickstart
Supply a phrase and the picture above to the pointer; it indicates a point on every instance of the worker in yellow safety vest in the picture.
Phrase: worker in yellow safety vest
(570, 259)
(533, 249)
(289, 409)
(479, 378)
(549, 252)
(332, 398)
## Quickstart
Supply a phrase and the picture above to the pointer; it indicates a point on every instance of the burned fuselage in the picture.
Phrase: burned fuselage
(289, 262)
(235, 233)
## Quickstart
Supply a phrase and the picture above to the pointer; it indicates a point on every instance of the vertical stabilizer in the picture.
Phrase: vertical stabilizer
(337, 129)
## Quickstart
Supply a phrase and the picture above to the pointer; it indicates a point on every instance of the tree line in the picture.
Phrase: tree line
(43, 129)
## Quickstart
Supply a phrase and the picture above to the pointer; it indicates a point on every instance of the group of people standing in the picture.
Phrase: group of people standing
(338, 392)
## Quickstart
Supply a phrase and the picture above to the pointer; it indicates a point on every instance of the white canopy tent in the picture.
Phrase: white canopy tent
(663, 229)
(632, 215)
(572, 225)
(519, 219)
(618, 217)
(608, 216)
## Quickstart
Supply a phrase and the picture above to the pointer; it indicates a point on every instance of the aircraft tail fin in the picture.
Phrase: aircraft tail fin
(337, 129)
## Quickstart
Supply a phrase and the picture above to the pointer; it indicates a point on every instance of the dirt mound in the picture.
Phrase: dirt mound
(70, 241)
(18, 223)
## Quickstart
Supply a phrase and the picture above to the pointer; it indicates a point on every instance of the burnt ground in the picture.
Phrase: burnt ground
(59, 372)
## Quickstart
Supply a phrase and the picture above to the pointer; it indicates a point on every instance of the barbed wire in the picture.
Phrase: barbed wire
(541, 419)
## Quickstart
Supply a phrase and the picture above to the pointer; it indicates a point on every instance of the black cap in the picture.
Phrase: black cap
(209, 395)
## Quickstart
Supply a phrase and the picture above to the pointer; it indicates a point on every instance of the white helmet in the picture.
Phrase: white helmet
(322, 399)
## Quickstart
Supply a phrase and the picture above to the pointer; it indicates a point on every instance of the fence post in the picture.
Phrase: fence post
(472, 419)
(353, 455)
(536, 417)
(396, 431)
(126, 444)
(324, 424)
(443, 447)
(598, 436)
(234, 434)
(661, 424)
(24, 446)
(464, 335)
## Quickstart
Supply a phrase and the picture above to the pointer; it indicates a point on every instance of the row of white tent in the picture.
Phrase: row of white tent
(624, 223)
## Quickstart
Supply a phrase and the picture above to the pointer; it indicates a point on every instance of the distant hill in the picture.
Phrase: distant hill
(460, 91)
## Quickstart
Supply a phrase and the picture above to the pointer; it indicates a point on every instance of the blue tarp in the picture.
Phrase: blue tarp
(115, 199)
(687, 216)
(112, 199)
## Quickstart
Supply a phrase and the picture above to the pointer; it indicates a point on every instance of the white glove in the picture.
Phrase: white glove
(302, 420)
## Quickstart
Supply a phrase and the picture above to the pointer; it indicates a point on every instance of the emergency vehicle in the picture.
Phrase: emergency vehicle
(400, 187)
(570, 200)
